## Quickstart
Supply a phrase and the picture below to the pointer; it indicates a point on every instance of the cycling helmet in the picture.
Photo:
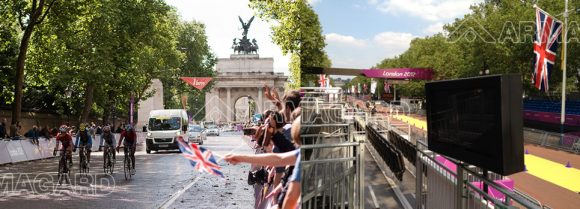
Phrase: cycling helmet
(63, 128)
(82, 127)
(128, 128)
(107, 129)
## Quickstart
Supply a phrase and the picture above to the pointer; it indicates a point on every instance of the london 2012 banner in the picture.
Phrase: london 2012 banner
(198, 83)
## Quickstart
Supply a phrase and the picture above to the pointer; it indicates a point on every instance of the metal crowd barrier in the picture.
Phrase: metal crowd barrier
(20, 150)
(560, 141)
(333, 177)
(438, 185)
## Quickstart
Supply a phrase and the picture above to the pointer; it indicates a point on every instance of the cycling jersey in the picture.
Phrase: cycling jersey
(129, 137)
(85, 139)
(110, 140)
(66, 139)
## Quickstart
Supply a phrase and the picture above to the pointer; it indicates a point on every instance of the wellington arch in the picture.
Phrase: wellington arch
(239, 76)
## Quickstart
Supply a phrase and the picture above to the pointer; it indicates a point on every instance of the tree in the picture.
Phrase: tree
(198, 61)
(30, 14)
(287, 34)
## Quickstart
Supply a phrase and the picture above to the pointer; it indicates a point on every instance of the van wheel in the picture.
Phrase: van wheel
(201, 142)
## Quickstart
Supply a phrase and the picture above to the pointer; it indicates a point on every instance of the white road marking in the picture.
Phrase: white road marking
(184, 189)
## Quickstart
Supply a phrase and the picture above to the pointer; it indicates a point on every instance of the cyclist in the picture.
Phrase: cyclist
(130, 137)
(66, 140)
(85, 140)
(109, 142)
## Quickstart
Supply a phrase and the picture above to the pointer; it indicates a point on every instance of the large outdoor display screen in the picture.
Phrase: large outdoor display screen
(478, 121)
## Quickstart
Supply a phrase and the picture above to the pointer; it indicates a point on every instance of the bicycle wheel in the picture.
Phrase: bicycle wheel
(112, 162)
(126, 167)
(81, 162)
(61, 168)
(105, 162)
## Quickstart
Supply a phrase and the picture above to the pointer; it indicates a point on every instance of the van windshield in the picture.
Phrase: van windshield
(165, 123)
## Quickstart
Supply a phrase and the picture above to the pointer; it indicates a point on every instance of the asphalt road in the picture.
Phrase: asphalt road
(162, 180)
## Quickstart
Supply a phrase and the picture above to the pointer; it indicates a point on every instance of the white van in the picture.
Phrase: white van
(165, 127)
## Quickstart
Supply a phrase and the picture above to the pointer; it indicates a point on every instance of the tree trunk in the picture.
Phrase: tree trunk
(106, 114)
(19, 79)
(112, 98)
(88, 103)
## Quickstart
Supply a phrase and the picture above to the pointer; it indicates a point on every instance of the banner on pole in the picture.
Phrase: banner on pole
(198, 83)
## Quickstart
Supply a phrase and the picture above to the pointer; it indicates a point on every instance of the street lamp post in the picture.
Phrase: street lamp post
(68, 92)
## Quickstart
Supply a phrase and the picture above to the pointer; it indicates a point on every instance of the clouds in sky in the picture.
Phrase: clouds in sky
(223, 25)
(313, 2)
(433, 29)
(349, 52)
(431, 10)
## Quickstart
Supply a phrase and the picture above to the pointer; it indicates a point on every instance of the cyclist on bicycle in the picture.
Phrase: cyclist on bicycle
(85, 142)
(67, 145)
(130, 137)
(109, 142)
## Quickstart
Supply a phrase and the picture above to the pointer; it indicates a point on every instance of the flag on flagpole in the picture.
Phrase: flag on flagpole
(545, 47)
(322, 80)
(358, 87)
(365, 87)
(373, 86)
(387, 87)
(200, 158)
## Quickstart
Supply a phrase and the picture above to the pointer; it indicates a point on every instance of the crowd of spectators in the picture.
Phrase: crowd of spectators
(278, 138)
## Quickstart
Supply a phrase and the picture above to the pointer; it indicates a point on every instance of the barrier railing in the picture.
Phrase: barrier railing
(566, 142)
(25, 149)
(333, 177)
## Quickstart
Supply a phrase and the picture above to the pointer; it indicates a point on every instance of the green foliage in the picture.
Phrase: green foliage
(502, 46)
(104, 50)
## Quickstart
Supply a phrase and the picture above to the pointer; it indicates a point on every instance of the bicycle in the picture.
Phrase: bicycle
(127, 162)
(108, 163)
(83, 163)
(63, 169)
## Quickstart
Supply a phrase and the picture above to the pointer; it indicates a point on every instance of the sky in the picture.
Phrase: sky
(223, 25)
(361, 33)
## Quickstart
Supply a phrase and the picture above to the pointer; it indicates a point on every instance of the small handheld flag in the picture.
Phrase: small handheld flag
(200, 158)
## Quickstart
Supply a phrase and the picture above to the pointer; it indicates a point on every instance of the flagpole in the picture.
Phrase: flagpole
(563, 113)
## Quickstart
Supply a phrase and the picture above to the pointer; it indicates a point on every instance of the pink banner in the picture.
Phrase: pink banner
(572, 120)
(400, 73)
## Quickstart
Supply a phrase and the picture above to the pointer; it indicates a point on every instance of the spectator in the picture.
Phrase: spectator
(145, 128)
(99, 130)
(92, 130)
(17, 130)
(54, 131)
(119, 129)
(33, 133)
(45, 133)
(290, 191)
(3, 133)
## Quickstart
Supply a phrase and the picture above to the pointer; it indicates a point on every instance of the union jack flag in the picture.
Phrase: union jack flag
(545, 47)
(200, 158)
(365, 87)
(387, 87)
(323, 80)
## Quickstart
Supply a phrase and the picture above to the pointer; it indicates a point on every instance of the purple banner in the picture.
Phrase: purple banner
(572, 120)
(400, 73)
(131, 111)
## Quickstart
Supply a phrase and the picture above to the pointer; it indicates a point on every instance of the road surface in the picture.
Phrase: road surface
(162, 180)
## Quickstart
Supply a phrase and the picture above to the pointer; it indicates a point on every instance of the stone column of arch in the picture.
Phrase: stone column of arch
(229, 107)
(260, 105)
